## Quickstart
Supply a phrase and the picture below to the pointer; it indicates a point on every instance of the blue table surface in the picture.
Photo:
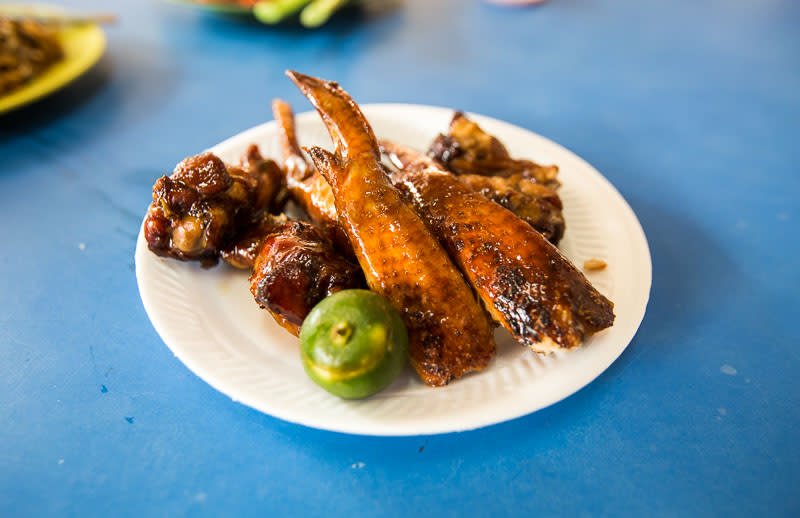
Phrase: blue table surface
(690, 108)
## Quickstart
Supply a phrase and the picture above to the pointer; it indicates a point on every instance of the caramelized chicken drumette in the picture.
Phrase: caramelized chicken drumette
(467, 149)
(449, 333)
(206, 210)
(203, 204)
(294, 266)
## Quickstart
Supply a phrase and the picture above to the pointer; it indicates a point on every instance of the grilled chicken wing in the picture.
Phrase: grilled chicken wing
(296, 267)
(305, 185)
(523, 280)
(467, 149)
(534, 203)
(198, 209)
(449, 334)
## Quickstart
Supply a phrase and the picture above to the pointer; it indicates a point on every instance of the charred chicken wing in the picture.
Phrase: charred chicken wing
(523, 280)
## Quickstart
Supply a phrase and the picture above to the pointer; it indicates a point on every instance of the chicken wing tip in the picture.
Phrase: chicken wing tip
(307, 82)
(349, 129)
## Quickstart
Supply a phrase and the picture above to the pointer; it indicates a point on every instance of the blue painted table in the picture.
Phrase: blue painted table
(690, 108)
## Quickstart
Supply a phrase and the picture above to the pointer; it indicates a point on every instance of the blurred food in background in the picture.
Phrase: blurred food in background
(311, 13)
(516, 2)
(233, 6)
(243, 3)
(43, 48)
(27, 49)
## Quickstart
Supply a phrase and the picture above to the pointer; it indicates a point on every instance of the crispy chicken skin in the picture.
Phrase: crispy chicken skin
(467, 149)
(449, 333)
(523, 280)
(534, 203)
(198, 209)
(305, 185)
(296, 267)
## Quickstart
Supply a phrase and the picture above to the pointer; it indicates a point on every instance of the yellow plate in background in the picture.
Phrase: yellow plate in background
(83, 47)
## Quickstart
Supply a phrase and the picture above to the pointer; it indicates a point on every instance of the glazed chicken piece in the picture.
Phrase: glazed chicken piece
(206, 210)
(306, 186)
(467, 149)
(272, 185)
(295, 268)
(537, 205)
(198, 209)
(524, 281)
(534, 203)
(241, 253)
(449, 333)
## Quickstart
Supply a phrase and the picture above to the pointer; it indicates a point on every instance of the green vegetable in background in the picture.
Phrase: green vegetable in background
(314, 12)
(353, 344)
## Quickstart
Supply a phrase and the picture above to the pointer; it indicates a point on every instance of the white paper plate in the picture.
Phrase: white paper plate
(212, 324)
